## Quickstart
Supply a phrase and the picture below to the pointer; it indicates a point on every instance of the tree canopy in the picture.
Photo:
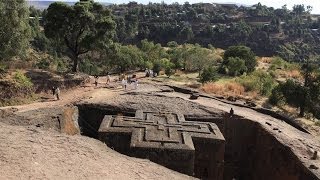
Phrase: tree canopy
(243, 53)
(81, 28)
(14, 28)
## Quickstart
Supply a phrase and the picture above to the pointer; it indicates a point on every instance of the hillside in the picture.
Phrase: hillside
(266, 30)
(45, 4)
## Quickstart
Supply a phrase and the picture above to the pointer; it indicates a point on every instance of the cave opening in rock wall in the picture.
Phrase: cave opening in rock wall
(251, 152)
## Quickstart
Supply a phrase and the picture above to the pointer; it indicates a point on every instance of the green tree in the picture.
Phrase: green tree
(258, 81)
(172, 44)
(208, 75)
(126, 57)
(197, 58)
(186, 34)
(167, 66)
(83, 27)
(169, 71)
(244, 53)
(153, 52)
(14, 28)
(236, 66)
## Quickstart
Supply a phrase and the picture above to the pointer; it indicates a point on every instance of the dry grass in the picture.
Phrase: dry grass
(218, 58)
(265, 59)
(179, 73)
(296, 74)
(252, 95)
(227, 89)
(194, 85)
(220, 52)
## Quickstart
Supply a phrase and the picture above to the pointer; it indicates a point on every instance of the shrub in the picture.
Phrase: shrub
(273, 74)
(277, 97)
(208, 75)
(43, 64)
(236, 66)
(3, 70)
(244, 53)
(22, 80)
(157, 67)
(172, 44)
(259, 81)
(61, 65)
(169, 71)
(89, 68)
(279, 63)
(147, 64)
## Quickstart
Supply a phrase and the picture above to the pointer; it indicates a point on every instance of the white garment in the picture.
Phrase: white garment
(136, 84)
(124, 83)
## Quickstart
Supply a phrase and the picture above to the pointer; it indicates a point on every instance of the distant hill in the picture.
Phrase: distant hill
(45, 4)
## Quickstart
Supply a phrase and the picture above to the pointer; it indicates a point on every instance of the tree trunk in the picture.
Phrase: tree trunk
(75, 67)
(302, 110)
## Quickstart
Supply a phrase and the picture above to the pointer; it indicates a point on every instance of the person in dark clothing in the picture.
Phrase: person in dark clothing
(53, 90)
(96, 80)
(231, 112)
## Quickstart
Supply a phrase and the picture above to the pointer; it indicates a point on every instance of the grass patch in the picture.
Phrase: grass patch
(19, 100)
(226, 89)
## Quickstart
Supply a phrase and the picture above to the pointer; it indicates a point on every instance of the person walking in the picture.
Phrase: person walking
(135, 81)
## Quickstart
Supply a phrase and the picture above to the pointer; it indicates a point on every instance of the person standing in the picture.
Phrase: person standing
(108, 78)
(136, 84)
(231, 112)
(53, 90)
(135, 81)
(96, 80)
(57, 92)
(124, 83)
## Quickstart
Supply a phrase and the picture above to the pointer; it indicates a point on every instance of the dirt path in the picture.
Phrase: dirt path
(67, 96)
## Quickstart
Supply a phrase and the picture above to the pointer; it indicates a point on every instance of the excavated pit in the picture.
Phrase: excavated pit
(251, 152)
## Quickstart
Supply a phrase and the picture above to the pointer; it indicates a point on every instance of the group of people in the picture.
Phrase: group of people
(96, 78)
(125, 80)
(150, 73)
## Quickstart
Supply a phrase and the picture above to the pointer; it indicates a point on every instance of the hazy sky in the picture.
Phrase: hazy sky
(274, 3)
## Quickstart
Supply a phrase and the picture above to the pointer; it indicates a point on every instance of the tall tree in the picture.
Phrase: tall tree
(81, 28)
(14, 28)
(244, 53)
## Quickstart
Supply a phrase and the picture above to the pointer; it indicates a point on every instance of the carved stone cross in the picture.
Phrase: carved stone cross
(194, 148)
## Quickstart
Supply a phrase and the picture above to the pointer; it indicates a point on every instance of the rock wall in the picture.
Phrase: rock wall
(254, 153)
(273, 160)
